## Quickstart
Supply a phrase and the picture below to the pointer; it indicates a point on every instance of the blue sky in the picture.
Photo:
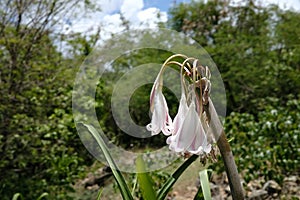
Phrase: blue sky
(140, 13)
(163, 5)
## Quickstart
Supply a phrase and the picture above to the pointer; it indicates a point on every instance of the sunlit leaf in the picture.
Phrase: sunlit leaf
(162, 193)
(16, 196)
(145, 181)
(125, 192)
(205, 184)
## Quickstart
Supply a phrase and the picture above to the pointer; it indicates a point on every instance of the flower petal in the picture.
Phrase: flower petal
(167, 126)
(185, 135)
(199, 144)
(161, 121)
(182, 111)
(190, 135)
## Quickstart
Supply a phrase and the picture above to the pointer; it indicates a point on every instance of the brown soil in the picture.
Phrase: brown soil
(186, 187)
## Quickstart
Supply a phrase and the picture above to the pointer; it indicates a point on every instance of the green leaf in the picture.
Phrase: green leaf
(99, 194)
(43, 195)
(145, 181)
(199, 194)
(205, 184)
(162, 193)
(134, 185)
(16, 196)
(125, 192)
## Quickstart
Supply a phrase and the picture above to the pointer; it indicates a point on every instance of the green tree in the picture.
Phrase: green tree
(39, 147)
(255, 47)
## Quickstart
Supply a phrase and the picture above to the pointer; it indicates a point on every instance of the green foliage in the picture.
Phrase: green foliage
(163, 191)
(99, 194)
(205, 184)
(19, 196)
(39, 153)
(39, 148)
(145, 181)
(126, 194)
(256, 48)
(158, 179)
(266, 144)
(138, 100)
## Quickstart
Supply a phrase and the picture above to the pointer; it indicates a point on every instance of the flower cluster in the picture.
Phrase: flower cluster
(188, 131)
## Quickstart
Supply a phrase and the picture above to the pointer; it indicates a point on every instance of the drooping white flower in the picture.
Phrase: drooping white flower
(186, 133)
(190, 136)
(161, 120)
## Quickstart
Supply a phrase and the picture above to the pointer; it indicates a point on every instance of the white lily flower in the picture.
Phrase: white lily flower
(161, 120)
(190, 135)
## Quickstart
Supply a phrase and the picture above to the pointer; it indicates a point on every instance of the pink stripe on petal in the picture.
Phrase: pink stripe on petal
(190, 135)
(182, 111)
(160, 117)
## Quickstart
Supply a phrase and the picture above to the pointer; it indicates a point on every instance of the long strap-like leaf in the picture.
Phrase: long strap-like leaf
(125, 192)
(145, 181)
(16, 196)
(205, 184)
(162, 193)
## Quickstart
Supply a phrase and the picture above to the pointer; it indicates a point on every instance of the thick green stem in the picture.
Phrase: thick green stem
(228, 159)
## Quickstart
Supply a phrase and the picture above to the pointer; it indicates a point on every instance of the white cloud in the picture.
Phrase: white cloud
(151, 16)
(286, 4)
(130, 8)
(110, 6)
(111, 24)
(110, 19)
(283, 4)
(134, 12)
